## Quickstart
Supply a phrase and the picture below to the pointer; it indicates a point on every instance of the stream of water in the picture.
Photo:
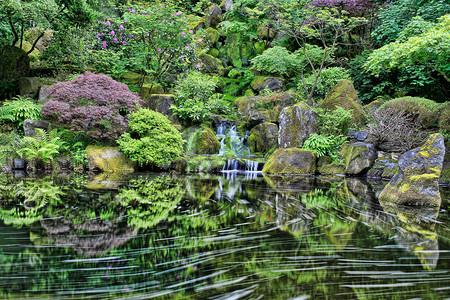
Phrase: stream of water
(216, 237)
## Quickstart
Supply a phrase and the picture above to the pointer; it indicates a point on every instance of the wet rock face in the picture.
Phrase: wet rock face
(272, 83)
(417, 178)
(161, 103)
(291, 161)
(296, 124)
(358, 157)
(263, 137)
(29, 126)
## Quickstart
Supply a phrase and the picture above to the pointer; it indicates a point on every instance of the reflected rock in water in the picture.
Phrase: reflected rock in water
(290, 184)
(201, 187)
(416, 233)
(99, 236)
(291, 215)
(360, 189)
(107, 180)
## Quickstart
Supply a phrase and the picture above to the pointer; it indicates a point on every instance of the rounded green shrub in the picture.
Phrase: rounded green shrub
(422, 110)
(151, 139)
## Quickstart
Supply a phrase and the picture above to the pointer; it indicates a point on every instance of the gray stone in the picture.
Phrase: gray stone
(161, 103)
(271, 83)
(29, 126)
(226, 5)
(385, 166)
(29, 86)
(297, 122)
(43, 94)
(417, 179)
(213, 16)
(358, 135)
(18, 164)
(358, 157)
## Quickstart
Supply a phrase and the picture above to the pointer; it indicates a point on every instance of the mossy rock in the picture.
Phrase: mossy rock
(265, 32)
(326, 166)
(29, 86)
(211, 64)
(373, 106)
(249, 93)
(444, 118)
(344, 95)
(296, 123)
(213, 16)
(134, 78)
(263, 137)
(149, 89)
(247, 50)
(233, 46)
(416, 181)
(245, 105)
(206, 164)
(16, 64)
(260, 116)
(161, 103)
(212, 35)
(207, 142)
(108, 159)
(291, 161)
(260, 83)
(214, 52)
(358, 157)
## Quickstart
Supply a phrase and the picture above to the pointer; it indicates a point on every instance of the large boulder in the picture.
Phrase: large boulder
(149, 89)
(213, 16)
(108, 159)
(297, 122)
(161, 103)
(207, 142)
(358, 157)
(417, 179)
(263, 137)
(385, 166)
(212, 35)
(260, 116)
(291, 161)
(29, 86)
(15, 64)
(344, 95)
(326, 166)
(260, 83)
(29, 126)
(210, 64)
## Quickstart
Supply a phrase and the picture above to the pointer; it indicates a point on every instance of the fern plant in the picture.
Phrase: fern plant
(20, 109)
(10, 145)
(325, 145)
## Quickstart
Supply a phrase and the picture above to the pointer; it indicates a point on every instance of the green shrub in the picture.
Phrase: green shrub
(276, 61)
(334, 122)
(328, 78)
(151, 139)
(325, 145)
(422, 110)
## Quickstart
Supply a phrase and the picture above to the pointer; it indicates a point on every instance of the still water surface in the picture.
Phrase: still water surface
(216, 237)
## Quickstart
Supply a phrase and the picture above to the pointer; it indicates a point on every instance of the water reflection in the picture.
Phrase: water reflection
(204, 236)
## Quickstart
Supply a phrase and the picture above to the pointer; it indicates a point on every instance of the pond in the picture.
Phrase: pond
(216, 237)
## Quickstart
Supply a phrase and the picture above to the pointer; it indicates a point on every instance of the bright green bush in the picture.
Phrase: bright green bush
(151, 139)
(325, 145)
(328, 78)
(276, 61)
(334, 122)
(424, 111)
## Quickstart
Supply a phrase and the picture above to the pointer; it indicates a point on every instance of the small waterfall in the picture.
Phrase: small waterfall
(230, 141)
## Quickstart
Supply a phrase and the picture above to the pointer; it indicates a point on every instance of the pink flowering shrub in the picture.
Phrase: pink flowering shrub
(93, 103)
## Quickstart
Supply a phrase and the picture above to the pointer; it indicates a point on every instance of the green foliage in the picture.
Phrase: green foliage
(43, 147)
(422, 110)
(109, 62)
(429, 49)
(268, 99)
(327, 79)
(151, 139)
(195, 99)
(335, 122)
(10, 145)
(325, 145)
(20, 109)
(398, 15)
(276, 61)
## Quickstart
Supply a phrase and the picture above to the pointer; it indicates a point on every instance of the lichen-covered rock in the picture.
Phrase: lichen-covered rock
(161, 103)
(29, 86)
(211, 64)
(326, 166)
(385, 166)
(373, 106)
(29, 126)
(416, 181)
(245, 105)
(233, 50)
(291, 161)
(206, 164)
(213, 16)
(358, 157)
(207, 142)
(297, 122)
(260, 83)
(15, 63)
(345, 96)
(212, 35)
(263, 137)
(108, 159)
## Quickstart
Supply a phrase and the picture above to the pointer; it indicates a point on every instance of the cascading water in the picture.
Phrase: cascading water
(233, 144)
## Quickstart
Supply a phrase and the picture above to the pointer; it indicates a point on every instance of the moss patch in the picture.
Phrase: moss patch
(291, 161)
(205, 164)
(108, 159)
(207, 142)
